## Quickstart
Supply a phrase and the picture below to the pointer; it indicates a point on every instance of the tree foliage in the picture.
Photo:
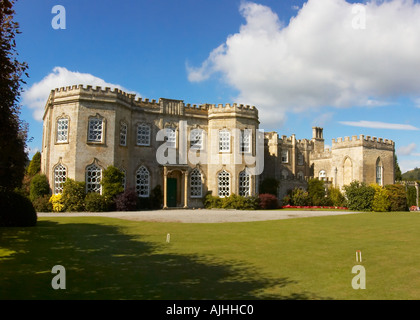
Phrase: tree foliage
(13, 131)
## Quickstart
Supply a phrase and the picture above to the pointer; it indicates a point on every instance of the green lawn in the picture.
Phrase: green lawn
(305, 258)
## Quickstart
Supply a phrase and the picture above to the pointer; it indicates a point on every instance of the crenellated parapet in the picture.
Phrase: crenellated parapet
(232, 110)
(365, 141)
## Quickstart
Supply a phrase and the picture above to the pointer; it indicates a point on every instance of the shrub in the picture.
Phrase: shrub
(42, 204)
(35, 165)
(287, 200)
(336, 197)
(397, 197)
(299, 197)
(268, 201)
(112, 182)
(95, 202)
(57, 202)
(380, 201)
(211, 201)
(126, 201)
(16, 210)
(316, 192)
(411, 196)
(73, 195)
(39, 187)
(359, 196)
(269, 185)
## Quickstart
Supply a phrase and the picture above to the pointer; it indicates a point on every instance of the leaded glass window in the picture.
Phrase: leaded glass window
(96, 127)
(60, 175)
(93, 178)
(224, 184)
(143, 135)
(196, 184)
(62, 130)
(142, 182)
(244, 183)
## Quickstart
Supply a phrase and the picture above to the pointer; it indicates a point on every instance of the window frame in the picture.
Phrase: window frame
(102, 130)
(285, 152)
(248, 133)
(244, 178)
(196, 185)
(224, 140)
(58, 185)
(93, 186)
(194, 145)
(57, 140)
(123, 134)
(143, 139)
(139, 183)
(226, 176)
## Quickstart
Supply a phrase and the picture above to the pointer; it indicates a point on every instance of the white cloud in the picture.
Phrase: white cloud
(319, 59)
(379, 125)
(36, 96)
(406, 150)
(323, 119)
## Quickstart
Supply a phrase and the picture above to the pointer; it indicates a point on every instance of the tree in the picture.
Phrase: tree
(39, 187)
(13, 131)
(35, 165)
(316, 191)
(359, 196)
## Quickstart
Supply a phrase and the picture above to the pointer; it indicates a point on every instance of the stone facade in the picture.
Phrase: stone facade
(87, 129)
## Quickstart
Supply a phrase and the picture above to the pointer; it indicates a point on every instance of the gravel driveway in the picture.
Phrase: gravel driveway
(201, 215)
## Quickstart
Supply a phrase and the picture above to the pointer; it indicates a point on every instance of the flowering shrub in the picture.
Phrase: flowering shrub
(57, 202)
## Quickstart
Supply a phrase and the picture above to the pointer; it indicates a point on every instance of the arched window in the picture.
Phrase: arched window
(93, 178)
(379, 172)
(244, 183)
(322, 175)
(196, 184)
(223, 183)
(60, 176)
(143, 182)
(300, 175)
(284, 174)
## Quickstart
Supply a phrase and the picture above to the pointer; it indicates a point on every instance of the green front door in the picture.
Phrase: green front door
(171, 192)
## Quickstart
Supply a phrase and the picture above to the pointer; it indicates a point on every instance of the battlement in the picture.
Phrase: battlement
(361, 140)
(234, 108)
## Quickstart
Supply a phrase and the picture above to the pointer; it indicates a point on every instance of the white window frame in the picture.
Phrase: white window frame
(62, 130)
(224, 140)
(285, 156)
(96, 129)
(379, 172)
(223, 184)
(170, 134)
(196, 139)
(322, 175)
(123, 134)
(245, 141)
(196, 184)
(244, 183)
(143, 182)
(60, 176)
(93, 176)
(143, 134)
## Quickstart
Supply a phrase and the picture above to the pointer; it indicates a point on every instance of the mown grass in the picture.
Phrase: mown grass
(305, 258)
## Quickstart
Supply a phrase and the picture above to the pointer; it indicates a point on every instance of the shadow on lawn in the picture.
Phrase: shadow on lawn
(103, 263)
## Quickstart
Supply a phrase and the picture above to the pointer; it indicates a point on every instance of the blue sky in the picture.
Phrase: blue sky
(352, 67)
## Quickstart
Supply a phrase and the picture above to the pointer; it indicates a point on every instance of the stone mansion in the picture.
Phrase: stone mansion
(87, 129)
